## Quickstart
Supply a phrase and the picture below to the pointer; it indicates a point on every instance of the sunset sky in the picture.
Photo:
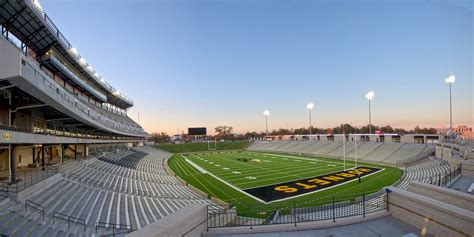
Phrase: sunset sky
(215, 62)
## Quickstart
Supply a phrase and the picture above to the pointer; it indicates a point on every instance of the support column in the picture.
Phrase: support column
(51, 153)
(62, 153)
(75, 151)
(85, 151)
(33, 156)
(11, 153)
(42, 158)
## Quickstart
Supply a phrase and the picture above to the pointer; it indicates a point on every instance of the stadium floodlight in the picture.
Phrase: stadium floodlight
(82, 61)
(266, 113)
(450, 80)
(74, 51)
(370, 95)
(310, 107)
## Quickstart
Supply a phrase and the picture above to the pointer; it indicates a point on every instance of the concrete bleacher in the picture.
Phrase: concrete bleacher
(363, 149)
(128, 190)
(408, 150)
(382, 152)
(377, 152)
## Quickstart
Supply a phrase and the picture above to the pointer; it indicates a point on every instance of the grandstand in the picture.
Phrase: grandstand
(54, 105)
(126, 194)
(74, 163)
(394, 154)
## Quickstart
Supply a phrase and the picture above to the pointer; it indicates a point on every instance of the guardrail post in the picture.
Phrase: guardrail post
(363, 204)
(294, 212)
(333, 210)
(387, 191)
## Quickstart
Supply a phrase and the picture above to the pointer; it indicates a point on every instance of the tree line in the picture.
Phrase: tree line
(225, 132)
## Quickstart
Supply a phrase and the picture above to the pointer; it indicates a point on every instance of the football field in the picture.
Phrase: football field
(266, 180)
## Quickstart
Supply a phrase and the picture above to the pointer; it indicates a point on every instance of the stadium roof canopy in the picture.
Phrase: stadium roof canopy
(28, 22)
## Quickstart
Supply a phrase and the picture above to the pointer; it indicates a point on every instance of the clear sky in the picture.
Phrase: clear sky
(209, 62)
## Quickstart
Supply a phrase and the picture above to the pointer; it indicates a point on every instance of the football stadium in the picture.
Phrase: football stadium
(75, 162)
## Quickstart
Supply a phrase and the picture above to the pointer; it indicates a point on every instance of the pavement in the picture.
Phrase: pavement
(387, 226)
(462, 184)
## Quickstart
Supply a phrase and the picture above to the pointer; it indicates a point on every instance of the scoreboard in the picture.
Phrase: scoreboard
(197, 131)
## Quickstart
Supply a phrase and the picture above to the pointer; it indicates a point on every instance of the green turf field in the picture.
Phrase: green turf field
(245, 170)
(203, 146)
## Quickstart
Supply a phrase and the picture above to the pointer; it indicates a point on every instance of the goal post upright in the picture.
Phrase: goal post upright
(209, 145)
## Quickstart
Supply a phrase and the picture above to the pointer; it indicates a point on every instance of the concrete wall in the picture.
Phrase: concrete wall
(10, 60)
(437, 218)
(26, 155)
(439, 151)
(450, 196)
(467, 168)
(189, 221)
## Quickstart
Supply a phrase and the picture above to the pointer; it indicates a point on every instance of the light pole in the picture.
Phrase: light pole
(450, 80)
(310, 107)
(370, 95)
(266, 113)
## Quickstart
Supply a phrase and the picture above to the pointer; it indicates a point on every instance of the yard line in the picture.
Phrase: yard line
(297, 157)
(230, 185)
(284, 173)
(298, 168)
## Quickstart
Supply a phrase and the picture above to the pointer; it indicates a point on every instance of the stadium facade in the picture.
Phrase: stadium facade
(53, 104)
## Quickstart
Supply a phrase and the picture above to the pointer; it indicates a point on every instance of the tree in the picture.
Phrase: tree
(400, 131)
(387, 129)
(160, 137)
(224, 132)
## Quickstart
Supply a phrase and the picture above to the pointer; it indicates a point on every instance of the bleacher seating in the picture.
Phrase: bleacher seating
(427, 170)
(377, 152)
(130, 189)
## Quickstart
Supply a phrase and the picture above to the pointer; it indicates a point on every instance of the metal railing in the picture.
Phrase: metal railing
(117, 229)
(67, 99)
(35, 206)
(69, 219)
(29, 179)
(3, 189)
(445, 179)
(67, 46)
(332, 211)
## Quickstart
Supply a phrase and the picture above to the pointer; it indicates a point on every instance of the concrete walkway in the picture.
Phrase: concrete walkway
(462, 184)
(387, 226)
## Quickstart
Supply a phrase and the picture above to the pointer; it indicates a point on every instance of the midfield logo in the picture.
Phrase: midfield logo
(304, 186)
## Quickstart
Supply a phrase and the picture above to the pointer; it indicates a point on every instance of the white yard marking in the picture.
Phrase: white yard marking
(217, 165)
(251, 177)
(330, 165)
(196, 166)
(236, 172)
(223, 181)
(225, 168)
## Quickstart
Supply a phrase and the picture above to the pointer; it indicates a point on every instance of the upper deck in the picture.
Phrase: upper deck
(27, 21)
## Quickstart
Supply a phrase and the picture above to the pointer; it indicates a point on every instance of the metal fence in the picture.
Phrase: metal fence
(28, 179)
(445, 179)
(333, 211)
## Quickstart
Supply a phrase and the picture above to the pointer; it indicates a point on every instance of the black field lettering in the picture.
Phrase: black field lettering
(294, 188)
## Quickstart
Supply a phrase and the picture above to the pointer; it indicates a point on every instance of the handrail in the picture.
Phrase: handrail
(114, 226)
(31, 178)
(4, 188)
(38, 207)
(69, 219)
